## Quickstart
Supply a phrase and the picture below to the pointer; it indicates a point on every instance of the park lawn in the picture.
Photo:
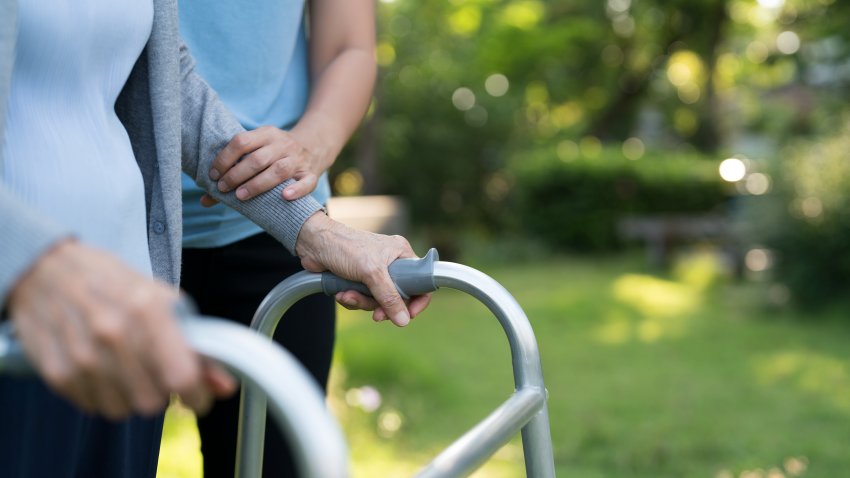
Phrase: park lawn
(648, 376)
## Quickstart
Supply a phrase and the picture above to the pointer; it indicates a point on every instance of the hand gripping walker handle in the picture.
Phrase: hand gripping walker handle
(411, 277)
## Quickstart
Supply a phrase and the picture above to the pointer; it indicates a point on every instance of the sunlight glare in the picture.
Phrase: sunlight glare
(732, 170)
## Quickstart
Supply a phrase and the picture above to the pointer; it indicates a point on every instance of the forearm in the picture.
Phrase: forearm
(341, 94)
(207, 126)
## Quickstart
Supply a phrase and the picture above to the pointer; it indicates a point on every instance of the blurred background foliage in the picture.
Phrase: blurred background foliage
(557, 119)
(521, 133)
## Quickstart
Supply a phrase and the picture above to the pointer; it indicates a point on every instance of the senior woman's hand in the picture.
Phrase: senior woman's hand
(325, 244)
(106, 337)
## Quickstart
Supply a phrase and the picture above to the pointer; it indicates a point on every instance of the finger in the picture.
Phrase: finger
(81, 353)
(239, 145)
(277, 172)
(251, 165)
(110, 379)
(46, 350)
(220, 382)
(137, 378)
(379, 315)
(384, 291)
(301, 188)
(418, 304)
(208, 201)
(353, 300)
(177, 366)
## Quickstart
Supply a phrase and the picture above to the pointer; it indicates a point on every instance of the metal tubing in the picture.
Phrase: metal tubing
(471, 450)
(536, 437)
(251, 433)
(294, 399)
(525, 356)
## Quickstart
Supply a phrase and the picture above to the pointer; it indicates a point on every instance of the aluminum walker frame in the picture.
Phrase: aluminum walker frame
(525, 410)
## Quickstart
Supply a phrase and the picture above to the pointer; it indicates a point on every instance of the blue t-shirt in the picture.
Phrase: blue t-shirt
(254, 54)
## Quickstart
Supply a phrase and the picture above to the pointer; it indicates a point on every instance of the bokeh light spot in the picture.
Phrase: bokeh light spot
(523, 14)
(567, 150)
(633, 148)
(757, 260)
(732, 170)
(590, 147)
(758, 184)
(463, 98)
(788, 42)
(349, 182)
(757, 52)
(496, 84)
(466, 20)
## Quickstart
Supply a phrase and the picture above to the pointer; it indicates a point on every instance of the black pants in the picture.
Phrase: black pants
(43, 435)
(230, 282)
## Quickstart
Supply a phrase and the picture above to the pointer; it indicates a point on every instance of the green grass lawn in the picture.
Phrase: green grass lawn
(648, 376)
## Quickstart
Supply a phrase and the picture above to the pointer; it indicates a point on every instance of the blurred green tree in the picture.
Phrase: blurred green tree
(467, 85)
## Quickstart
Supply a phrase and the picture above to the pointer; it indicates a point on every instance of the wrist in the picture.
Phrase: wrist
(314, 230)
(317, 138)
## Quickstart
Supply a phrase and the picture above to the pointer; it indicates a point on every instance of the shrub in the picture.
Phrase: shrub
(805, 220)
(577, 204)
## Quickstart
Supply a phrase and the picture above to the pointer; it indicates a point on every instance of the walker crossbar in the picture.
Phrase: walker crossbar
(525, 410)
(295, 401)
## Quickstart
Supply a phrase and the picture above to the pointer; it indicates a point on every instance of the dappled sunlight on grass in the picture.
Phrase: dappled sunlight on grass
(646, 308)
(655, 298)
(656, 309)
(811, 372)
(617, 329)
(180, 453)
(406, 430)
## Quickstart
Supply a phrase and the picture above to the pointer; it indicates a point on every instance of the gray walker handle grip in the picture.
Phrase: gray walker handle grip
(411, 277)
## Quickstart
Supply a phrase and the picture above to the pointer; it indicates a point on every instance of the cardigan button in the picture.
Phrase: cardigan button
(158, 227)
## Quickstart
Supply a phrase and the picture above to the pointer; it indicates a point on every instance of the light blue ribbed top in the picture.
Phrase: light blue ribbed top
(254, 54)
(66, 152)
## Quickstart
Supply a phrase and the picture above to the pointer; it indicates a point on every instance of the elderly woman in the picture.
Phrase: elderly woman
(98, 103)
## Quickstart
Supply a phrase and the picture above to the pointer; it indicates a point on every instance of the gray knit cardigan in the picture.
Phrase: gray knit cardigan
(175, 121)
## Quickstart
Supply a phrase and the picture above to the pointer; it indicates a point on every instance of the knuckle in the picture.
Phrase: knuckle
(401, 241)
(150, 403)
(390, 300)
(108, 330)
(140, 300)
(254, 161)
(57, 375)
(85, 360)
(281, 169)
(116, 411)
(241, 141)
(182, 379)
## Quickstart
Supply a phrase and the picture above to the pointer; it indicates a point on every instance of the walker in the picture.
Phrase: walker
(272, 377)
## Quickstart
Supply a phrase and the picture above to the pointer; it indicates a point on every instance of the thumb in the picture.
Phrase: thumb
(300, 188)
(384, 291)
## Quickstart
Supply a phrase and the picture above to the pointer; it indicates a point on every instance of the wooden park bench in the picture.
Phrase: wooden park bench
(663, 232)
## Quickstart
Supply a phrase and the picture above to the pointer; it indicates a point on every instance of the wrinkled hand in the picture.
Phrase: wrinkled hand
(361, 256)
(269, 156)
(106, 337)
